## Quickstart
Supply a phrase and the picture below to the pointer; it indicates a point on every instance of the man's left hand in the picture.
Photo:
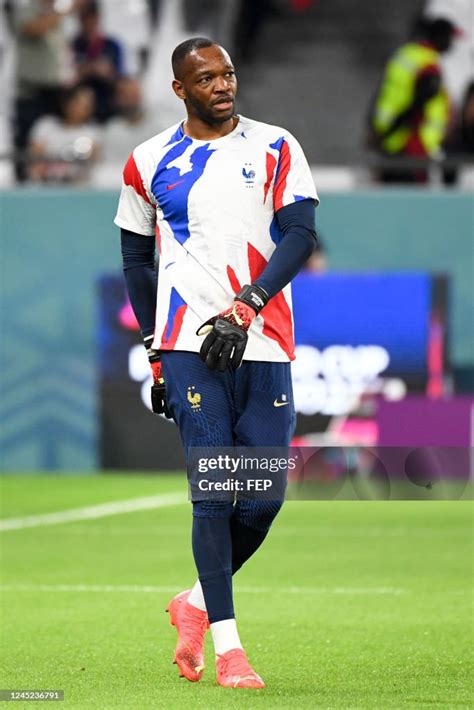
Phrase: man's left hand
(226, 332)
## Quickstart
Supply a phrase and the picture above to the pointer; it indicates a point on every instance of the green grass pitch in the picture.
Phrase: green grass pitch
(347, 605)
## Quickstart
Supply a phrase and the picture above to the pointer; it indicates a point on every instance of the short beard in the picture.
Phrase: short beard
(207, 116)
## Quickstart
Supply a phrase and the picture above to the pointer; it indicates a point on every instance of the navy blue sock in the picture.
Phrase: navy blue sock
(212, 549)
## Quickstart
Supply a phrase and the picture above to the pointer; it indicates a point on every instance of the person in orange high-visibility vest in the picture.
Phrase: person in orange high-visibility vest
(411, 111)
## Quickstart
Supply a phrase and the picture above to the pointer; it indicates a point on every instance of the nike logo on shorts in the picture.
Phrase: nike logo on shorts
(276, 403)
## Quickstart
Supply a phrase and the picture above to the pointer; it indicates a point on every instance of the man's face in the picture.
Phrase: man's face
(208, 85)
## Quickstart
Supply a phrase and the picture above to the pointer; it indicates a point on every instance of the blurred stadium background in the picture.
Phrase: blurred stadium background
(400, 252)
(384, 337)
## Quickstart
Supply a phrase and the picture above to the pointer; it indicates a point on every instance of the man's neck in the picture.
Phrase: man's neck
(201, 131)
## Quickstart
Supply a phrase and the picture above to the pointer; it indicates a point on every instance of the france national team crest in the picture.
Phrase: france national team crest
(194, 398)
(249, 175)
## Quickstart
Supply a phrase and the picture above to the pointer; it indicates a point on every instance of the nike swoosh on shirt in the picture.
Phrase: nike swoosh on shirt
(276, 403)
(174, 184)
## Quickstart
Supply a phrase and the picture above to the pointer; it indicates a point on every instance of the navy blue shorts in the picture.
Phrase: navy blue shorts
(251, 406)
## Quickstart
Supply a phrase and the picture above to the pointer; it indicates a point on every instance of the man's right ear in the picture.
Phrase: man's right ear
(179, 89)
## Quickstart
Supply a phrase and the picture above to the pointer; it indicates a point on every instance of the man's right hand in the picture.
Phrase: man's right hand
(159, 403)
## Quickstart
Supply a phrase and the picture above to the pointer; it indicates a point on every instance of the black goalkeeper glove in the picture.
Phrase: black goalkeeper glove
(226, 332)
(159, 403)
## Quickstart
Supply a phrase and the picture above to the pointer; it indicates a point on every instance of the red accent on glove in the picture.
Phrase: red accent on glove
(239, 314)
(157, 372)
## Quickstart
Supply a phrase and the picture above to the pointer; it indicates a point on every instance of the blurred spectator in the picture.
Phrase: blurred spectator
(99, 60)
(131, 126)
(411, 111)
(69, 143)
(41, 65)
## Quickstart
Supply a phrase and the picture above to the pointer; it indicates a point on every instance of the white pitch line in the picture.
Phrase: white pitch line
(130, 588)
(94, 511)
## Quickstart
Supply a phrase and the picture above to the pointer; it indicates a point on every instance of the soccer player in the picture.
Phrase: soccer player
(231, 202)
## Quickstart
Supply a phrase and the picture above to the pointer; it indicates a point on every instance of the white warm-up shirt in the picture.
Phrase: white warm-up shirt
(212, 206)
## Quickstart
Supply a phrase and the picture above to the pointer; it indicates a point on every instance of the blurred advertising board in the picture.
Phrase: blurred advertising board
(359, 337)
